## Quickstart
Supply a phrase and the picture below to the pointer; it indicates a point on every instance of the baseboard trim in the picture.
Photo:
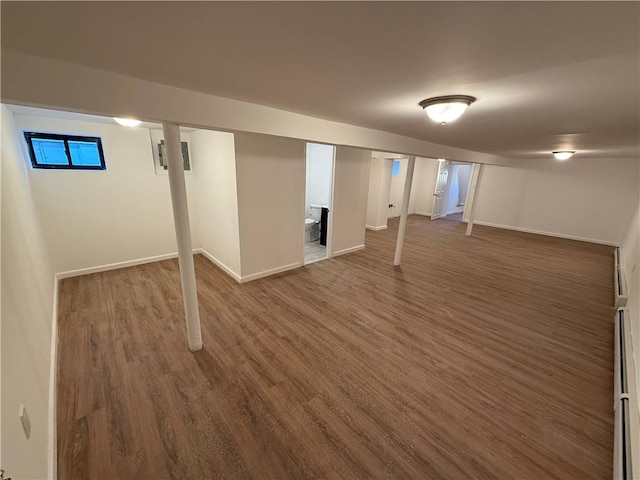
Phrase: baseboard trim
(547, 234)
(272, 271)
(455, 210)
(376, 229)
(115, 266)
(52, 450)
(348, 250)
(218, 263)
(425, 214)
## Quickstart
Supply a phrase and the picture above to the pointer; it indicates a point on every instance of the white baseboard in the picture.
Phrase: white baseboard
(548, 234)
(348, 250)
(115, 266)
(52, 450)
(425, 214)
(376, 229)
(273, 271)
(218, 263)
(454, 211)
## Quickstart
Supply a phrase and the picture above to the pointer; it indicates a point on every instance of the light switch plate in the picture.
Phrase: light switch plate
(26, 423)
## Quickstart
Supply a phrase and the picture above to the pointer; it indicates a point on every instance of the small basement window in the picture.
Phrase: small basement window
(395, 171)
(71, 152)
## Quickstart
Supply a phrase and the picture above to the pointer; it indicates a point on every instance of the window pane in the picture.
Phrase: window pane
(49, 152)
(396, 168)
(84, 153)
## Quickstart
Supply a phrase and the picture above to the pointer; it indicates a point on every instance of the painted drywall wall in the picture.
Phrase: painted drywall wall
(95, 218)
(351, 191)
(378, 195)
(83, 89)
(396, 192)
(217, 198)
(631, 256)
(27, 315)
(464, 178)
(271, 182)
(457, 187)
(588, 199)
(423, 186)
(450, 201)
(319, 175)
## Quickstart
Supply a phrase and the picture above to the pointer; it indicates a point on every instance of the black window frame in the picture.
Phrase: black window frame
(29, 136)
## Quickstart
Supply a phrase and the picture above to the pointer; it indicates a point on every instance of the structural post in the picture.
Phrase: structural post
(474, 200)
(175, 169)
(405, 209)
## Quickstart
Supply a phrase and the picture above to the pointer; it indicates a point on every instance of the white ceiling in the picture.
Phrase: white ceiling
(547, 75)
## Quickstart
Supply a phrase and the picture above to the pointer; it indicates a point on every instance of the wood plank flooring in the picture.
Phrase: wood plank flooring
(481, 357)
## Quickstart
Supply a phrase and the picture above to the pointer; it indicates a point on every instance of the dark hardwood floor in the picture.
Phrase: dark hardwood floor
(481, 357)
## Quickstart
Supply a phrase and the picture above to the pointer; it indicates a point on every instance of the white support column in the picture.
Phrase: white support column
(175, 169)
(405, 209)
(474, 200)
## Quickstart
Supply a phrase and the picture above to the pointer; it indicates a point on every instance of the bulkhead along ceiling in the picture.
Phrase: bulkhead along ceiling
(547, 75)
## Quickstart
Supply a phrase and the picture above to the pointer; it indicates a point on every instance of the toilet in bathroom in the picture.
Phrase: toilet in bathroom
(312, 224)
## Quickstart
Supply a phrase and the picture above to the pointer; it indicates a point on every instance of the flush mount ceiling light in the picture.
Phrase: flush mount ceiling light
(442, 159)
(447, 108)
(563, 155)
(127, 122)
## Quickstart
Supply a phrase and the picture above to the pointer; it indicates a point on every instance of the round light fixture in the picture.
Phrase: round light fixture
(446, 108)
(563, 155)
(442, 159)
(127, 122)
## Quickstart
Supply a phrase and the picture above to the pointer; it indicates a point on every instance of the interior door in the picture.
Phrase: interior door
(438, 194)
(396, 188)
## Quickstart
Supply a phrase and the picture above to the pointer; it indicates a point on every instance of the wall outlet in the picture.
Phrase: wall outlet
(24, 419)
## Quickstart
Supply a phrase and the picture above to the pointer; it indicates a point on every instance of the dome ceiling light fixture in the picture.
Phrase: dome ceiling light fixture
(563, 154)
(127, 122)
(447, 108)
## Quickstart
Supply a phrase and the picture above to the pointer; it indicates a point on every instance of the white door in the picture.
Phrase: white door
(439, 193)
(396, 186)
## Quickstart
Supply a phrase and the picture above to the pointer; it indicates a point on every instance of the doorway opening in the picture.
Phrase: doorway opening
(320, 160)
(451, 190)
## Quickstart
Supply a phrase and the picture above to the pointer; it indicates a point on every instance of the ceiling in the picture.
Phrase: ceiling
(547, 75)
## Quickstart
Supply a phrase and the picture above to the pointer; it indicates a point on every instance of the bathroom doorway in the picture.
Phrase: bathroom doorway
(320, 160)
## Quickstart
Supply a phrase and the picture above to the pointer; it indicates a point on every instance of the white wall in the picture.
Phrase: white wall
(423, 186)
(319, 174)
(378, 196)
(27, 314)
(351, 191)
(631, 257)
(586, 199)
(464, 178)
(217, 198)
(457, 187)
(271, 184)
(94, 218)
(450, 201)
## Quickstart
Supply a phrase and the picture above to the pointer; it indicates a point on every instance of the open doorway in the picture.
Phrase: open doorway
(318, 198)
(451, 190)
